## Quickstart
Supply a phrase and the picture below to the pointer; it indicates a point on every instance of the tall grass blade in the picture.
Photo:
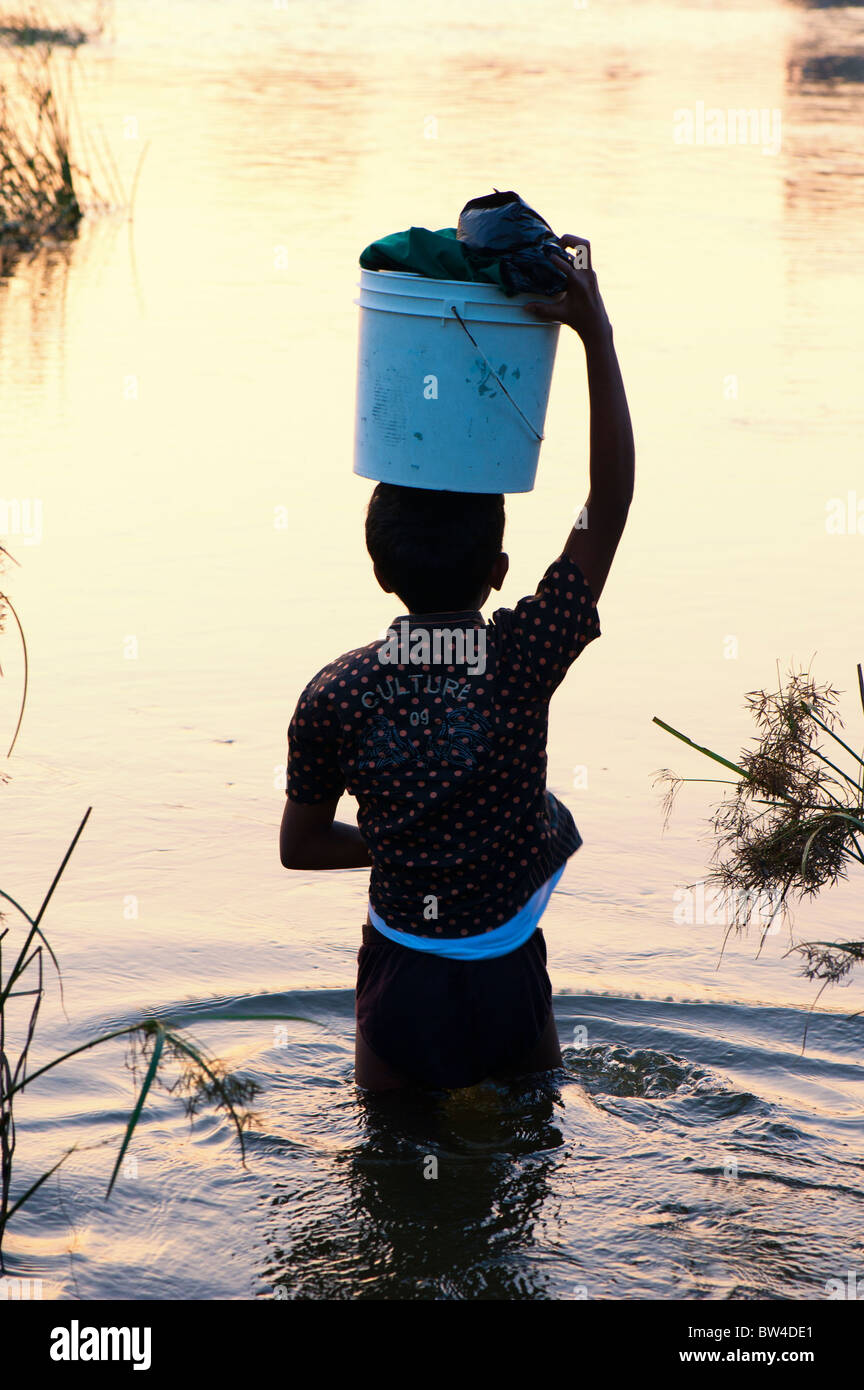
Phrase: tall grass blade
(139, 1106)
(733, 767)
(35, 1186)
(4, 599)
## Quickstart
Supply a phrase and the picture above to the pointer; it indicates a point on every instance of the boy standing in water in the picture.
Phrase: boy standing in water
(440, 734)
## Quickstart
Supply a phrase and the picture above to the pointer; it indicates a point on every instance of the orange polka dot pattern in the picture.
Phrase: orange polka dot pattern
(449, 767)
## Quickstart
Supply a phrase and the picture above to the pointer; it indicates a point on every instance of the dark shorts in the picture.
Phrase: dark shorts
(447, 1023)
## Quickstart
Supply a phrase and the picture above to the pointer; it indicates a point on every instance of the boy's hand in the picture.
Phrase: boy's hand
(594, 539)
(580, 305)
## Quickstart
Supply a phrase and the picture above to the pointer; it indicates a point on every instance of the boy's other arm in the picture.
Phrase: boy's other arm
(592, 544)
(311, 838)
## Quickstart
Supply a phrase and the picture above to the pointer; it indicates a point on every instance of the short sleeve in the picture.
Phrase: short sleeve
(314, 773)
(552, 627)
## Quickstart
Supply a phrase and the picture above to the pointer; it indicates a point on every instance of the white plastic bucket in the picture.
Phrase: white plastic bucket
(436, 409)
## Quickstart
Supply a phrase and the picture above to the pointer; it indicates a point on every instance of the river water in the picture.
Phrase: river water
(178, 398)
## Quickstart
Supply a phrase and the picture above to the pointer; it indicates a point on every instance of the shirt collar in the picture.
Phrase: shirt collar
(469, 617)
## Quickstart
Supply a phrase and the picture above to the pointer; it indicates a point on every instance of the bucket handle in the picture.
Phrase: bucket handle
(537, 436)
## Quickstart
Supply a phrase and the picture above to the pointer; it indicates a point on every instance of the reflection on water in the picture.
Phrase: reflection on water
(632, 1171)
(435, 1203)
(832, 67)
(168, 398)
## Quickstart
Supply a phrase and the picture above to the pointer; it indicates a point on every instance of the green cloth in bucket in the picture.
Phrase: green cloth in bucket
(437, 255)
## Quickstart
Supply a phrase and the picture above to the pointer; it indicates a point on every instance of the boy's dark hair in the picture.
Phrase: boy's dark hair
(434, 549)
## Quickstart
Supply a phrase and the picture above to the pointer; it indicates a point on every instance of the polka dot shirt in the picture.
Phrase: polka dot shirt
(439, 730)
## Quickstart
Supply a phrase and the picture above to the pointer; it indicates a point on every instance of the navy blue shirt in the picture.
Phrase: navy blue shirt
(440, 734)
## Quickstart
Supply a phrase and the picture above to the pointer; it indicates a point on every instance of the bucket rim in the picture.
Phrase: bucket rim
(479, 290)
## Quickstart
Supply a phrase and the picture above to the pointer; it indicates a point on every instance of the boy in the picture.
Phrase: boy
(440, 733)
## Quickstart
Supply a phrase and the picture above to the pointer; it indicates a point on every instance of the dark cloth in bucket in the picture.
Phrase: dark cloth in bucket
(448, 1023)
(523, 241)
(499, 241)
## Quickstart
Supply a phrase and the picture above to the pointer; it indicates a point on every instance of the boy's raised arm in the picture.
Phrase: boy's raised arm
(594, 539)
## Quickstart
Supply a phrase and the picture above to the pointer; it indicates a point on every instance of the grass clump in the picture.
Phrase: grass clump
(39, 200)
(793, 822)
(40, 185)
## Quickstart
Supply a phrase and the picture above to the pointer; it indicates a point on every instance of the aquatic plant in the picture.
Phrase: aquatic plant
(44, 191)
(7, 607)
(791, 826)
(39, 182)
(166, 1056)
(38, 197)
(154, 1049)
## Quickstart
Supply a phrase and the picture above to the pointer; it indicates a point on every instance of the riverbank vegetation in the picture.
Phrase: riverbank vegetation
(40, 184)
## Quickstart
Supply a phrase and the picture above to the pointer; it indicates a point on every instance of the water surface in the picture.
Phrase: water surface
(181, 401)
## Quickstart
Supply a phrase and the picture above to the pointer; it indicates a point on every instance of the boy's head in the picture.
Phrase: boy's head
(439, 551)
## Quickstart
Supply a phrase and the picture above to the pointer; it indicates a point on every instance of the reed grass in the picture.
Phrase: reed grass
(8, 608)
(41, 187)
(167, 1056)
(793, 822)
(38, 196)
